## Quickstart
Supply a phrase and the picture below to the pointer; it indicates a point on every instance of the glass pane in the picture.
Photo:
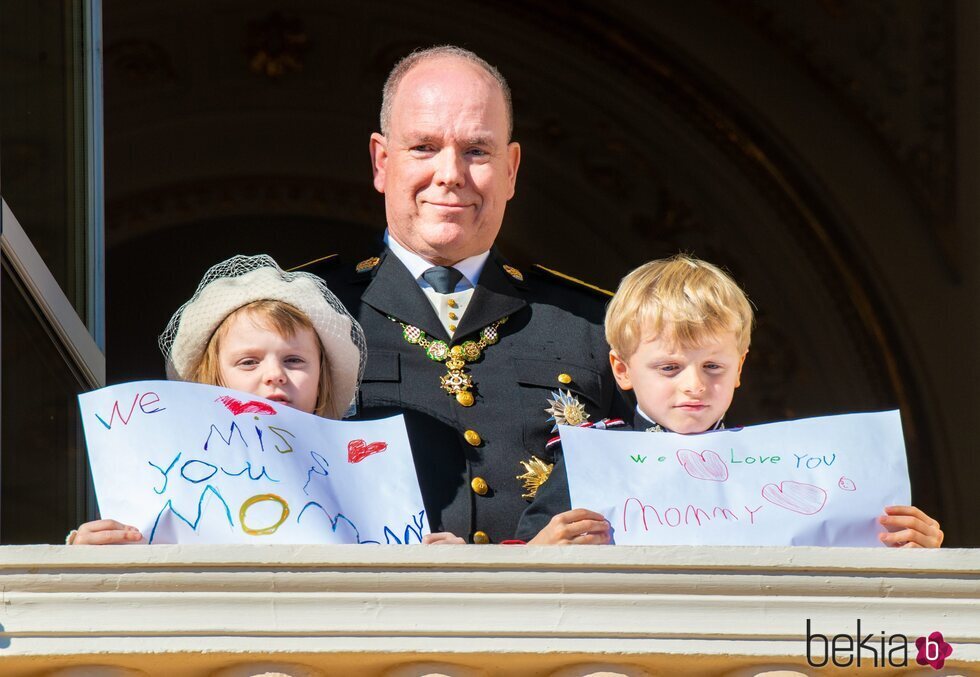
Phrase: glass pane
(42, 471)
(42, 140)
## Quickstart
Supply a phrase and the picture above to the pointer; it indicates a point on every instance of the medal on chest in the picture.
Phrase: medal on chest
(456, 381)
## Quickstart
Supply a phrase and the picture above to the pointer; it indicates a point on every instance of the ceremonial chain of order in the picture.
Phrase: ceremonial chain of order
(455, 381)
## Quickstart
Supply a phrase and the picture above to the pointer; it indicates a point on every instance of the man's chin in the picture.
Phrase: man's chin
(451, 242)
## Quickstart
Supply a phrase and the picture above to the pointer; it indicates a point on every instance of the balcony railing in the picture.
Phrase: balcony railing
(231, 611)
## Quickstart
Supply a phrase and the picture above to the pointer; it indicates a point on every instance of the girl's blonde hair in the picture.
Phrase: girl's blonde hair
(280, 317)
(682, 299)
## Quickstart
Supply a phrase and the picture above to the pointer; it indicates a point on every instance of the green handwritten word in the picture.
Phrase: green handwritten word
(749, 460)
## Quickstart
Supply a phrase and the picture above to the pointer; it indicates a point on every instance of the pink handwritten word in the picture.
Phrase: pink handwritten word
(358, 450)
(675, 517)
(704, 466)
(146, 402)
(237, 407)
(805, 499)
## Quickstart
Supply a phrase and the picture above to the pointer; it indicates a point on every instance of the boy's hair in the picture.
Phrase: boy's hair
(280, 317)
(682, 299)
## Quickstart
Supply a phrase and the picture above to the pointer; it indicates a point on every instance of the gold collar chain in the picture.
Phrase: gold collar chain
(455, 381)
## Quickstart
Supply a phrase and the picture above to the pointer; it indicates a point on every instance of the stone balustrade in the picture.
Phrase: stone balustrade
(400, 611)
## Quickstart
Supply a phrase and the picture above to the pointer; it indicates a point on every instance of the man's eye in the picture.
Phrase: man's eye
(423, 148)
(478, 152)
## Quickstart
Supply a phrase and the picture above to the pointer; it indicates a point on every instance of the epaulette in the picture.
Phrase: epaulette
(604, 424)
(571, 280)
(306, 265)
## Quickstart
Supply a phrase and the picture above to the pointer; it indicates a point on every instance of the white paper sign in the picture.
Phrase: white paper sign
(817, 481)
(191, 463)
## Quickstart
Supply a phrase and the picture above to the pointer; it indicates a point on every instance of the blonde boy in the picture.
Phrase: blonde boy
(679, 331)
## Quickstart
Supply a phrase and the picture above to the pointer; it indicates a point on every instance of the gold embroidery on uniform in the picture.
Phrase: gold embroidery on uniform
(537, 473)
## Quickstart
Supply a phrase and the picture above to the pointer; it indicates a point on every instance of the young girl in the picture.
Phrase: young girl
(255, 328)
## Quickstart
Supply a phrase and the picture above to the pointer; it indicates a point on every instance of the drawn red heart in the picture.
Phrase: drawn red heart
(704, 466)
(846, 484)
(805, 499)
(237, 407)
(358, 450)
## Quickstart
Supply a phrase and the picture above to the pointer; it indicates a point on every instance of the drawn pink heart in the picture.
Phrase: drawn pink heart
(704, 466)
(358, 450)
(846, 484)
(237, 407)
(805, 499)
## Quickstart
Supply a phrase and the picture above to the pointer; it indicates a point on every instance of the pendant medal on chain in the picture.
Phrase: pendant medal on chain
(455, 381)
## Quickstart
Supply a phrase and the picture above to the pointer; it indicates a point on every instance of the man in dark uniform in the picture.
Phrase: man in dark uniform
(471, 350)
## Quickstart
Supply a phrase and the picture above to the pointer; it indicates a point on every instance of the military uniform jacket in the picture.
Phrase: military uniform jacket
(553, 328)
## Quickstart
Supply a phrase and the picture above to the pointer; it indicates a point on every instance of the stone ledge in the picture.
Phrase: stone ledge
(655, 609)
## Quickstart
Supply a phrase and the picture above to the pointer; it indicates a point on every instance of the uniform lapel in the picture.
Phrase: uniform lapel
(394, 292)
(495, 297)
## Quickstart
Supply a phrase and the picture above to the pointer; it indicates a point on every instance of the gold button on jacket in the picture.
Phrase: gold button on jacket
(480, 537)
(564, 378)
(480, 486)
(473, 438)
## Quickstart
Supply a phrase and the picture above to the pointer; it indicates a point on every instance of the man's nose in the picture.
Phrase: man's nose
(450, 169)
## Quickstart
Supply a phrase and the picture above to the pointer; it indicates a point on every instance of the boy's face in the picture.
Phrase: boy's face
(258, 360)
(686, 390)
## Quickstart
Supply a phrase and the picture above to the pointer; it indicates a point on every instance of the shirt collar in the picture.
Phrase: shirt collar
(643, 422)
(470, 267)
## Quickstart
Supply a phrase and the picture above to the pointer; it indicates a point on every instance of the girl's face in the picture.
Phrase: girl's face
(256, 359)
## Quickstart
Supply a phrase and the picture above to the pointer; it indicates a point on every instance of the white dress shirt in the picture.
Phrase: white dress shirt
(449, 307)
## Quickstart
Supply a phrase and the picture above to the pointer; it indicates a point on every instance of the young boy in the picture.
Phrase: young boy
(679, 332)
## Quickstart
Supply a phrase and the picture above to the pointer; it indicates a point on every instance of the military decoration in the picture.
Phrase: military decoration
(367, 264)
(566, 409)
(456, 381)
(514, 273)
(536, 473)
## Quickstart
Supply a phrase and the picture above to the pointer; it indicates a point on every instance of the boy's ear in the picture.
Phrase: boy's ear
(738, 377)
(620, 370)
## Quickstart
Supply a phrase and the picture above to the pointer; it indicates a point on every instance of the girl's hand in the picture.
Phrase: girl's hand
(105, 532)
(442, 538)
(909, 527)
(574, 527)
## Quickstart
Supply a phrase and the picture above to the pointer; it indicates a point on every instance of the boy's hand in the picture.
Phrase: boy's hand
(574, 527)
(909, 527)
(106, 532)
(442, 538)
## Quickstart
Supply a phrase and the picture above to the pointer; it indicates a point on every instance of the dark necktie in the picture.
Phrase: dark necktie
(442, 278)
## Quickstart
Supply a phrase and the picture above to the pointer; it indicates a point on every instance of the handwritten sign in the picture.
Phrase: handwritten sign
(817, 481)
(188, 463)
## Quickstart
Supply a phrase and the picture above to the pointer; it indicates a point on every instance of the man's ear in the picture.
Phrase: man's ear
(379, 160)
(738, 377)
(620, 370)
(513, 162)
